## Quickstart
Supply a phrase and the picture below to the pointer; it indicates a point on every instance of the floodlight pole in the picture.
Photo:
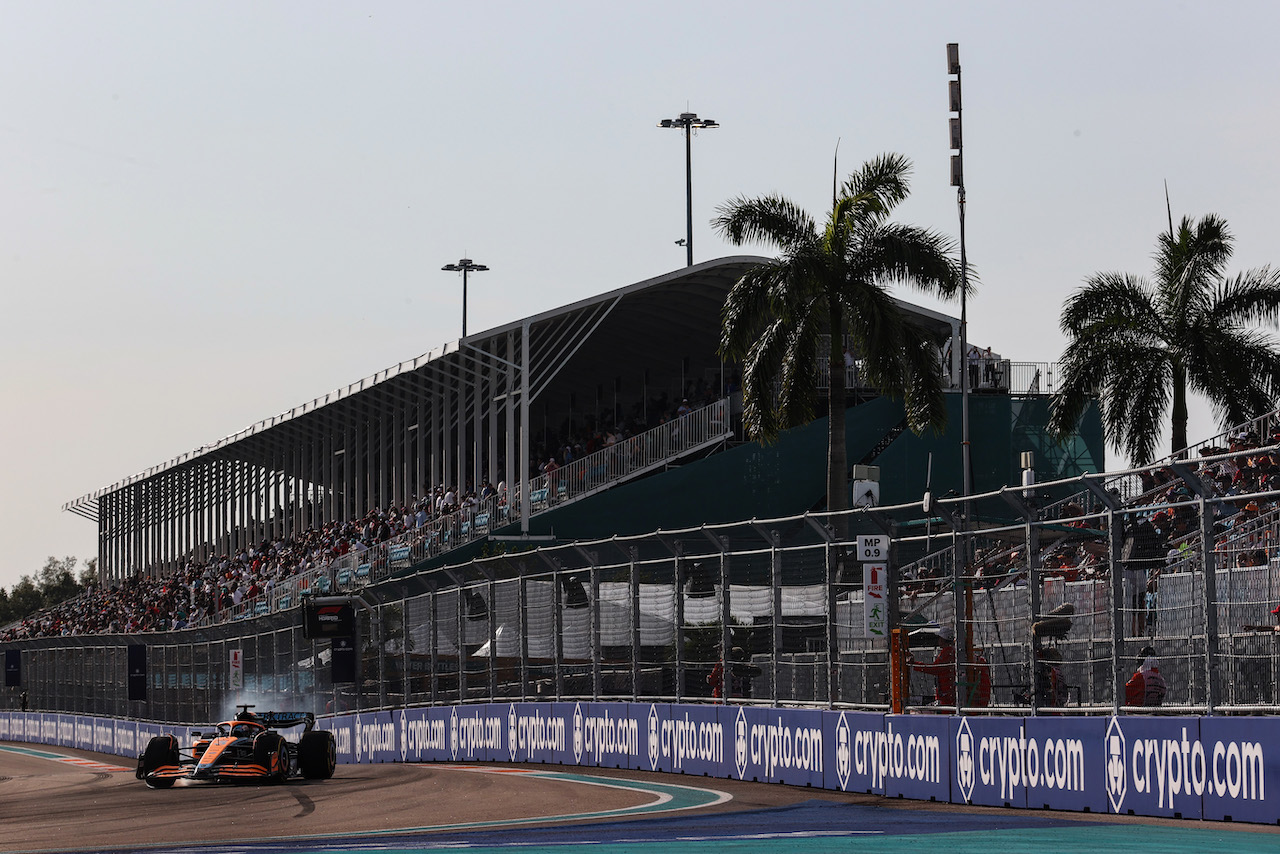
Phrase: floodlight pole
(688, 121)
(957, 181)
(465, 265)
(962, 637)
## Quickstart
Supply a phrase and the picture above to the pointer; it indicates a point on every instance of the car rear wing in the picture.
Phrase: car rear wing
(284, 720)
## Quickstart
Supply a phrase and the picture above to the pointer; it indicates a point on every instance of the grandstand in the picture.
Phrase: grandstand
(492, 406)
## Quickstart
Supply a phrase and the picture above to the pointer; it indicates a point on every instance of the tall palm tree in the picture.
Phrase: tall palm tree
(1142, 345)
(834, 280)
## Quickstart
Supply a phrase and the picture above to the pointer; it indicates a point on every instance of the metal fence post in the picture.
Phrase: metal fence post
(677, 570)
(1210, 605)
(522, 595)
(775, 607)
(634, 581)
(493, 636)
(461, 616)
(596, 675)
(433, 611)
(835, 558)
(1115, 568)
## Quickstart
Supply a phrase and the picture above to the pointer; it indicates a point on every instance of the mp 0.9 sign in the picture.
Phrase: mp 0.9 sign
(873, 548)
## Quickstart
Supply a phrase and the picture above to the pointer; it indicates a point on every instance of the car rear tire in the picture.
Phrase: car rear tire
(161, 750)
(317, 755)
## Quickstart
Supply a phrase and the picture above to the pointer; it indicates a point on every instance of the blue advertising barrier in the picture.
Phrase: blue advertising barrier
(343, 729)
(1238, 771)
(607, 735)
(857, 755)
(1066, 764)
(988, 764)
(1041, 762)
(424, 734)
(777, 745)
(917, 757)
(477, 733)
(686, 739)
(374, 738)
(1187, 767)
(537, 732)
(1152, 766)
(83, 728)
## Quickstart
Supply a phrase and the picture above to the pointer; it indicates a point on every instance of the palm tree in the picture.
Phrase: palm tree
(1141, 345)
(834, 280)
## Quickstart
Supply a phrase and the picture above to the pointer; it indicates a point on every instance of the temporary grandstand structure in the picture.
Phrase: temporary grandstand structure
(455, 415)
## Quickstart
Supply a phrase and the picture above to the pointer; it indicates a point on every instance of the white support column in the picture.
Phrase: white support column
(509, 434)
(478, 409)
(422, 479)
(525, 504)
(437, 431)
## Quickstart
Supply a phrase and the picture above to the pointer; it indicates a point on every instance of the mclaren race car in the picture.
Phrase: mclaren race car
(244, 750)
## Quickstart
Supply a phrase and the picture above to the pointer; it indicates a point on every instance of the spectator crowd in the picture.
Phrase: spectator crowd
(205, 589)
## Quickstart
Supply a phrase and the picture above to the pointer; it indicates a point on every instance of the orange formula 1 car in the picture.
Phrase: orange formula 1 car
(244, 750)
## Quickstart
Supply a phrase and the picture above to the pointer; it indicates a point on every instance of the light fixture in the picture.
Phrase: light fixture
(464, 266)
(688, 122)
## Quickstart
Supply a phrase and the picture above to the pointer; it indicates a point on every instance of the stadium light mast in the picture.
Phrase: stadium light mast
(465, 265)
(963, 629)
(957, 181)
(689, 122)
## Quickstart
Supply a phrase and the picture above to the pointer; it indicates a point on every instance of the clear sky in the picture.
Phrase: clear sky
(212, 212)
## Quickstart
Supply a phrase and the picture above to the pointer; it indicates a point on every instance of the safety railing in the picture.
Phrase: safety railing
(632, 456)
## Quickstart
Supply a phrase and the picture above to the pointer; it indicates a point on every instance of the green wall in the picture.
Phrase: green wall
(789, 476)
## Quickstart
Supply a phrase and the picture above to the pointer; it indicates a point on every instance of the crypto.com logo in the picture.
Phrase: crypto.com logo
(844, 752)
(512, 733)
(654, 740)
(453, 734)
(1116, 782)
(577, 733)
(965, 775)
(404, 736)
(740, 743)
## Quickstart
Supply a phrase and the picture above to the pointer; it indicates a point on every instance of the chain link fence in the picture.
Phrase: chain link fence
(1046, 598)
